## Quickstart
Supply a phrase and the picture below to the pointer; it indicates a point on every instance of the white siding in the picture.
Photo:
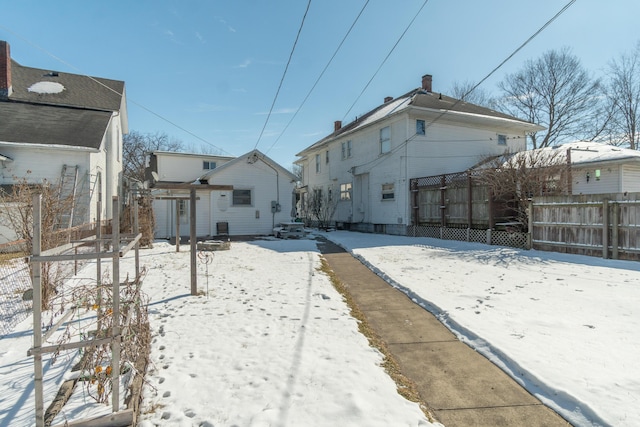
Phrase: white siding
(444, 148)
(176, 167)
(265, 186)
(609, 181)
(631, 178)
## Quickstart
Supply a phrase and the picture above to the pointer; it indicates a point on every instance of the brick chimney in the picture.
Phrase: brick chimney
(337, 125)
(388, 98)
(5, 70)
(426, 82)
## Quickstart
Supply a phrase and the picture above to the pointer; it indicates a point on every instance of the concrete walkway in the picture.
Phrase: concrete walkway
(460, 386)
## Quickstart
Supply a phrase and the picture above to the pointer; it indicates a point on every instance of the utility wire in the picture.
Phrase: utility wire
(112, 90)
(283, 75)
(319, 77)
(386, 58)
(571, 2)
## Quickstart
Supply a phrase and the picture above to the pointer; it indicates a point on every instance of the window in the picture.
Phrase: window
(345, 191)
(241, 197)
(330, 194)
(385, 140)
(206, 165)
(420, 127)
(183, 211)
(346, 150)
(317, 163)
(388, 191)
(326, 156)
(502, 139)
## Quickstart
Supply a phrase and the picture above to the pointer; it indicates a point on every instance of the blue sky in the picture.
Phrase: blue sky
(213, 67)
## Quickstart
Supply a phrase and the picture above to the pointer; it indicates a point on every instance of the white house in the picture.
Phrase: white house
(63, 129)
(242, 196)
(598, 168)
(365, 166)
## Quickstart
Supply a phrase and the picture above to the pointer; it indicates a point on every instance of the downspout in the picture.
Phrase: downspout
(273, 214)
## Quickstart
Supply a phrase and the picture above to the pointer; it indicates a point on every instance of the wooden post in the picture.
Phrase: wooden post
(469, 202)
(605, 229)
(192, 234)
(443, 195)
(530, 226)
(614, 230)
(37, 310)
(136, 230)
(115, 329)
(177, 225)
(99, 246)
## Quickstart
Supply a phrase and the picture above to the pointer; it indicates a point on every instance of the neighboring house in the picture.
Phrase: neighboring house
(365, 166)
(63, 129)
(242, 196)
(598, 168)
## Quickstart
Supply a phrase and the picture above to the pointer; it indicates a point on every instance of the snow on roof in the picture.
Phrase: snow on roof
(591, 152)
(46, 87)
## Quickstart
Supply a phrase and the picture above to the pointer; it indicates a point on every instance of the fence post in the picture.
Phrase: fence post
(443, 195)
(530, 226)
(614, 230)
(605, 229)
(37, 310)
(115, 329)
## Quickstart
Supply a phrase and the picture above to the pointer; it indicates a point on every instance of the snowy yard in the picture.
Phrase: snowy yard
(270, 342)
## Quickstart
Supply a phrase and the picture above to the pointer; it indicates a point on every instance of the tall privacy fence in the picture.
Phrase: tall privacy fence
(604, 225)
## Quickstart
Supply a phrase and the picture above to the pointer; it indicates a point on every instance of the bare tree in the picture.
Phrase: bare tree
(624, 98)
(16, 213)
(468, 92)
(515, 178)
(137, 145)
(320, 206)
(554, 91)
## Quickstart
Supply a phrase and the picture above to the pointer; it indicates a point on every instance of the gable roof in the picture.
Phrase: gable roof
(435, 104)
(251, 157)
(51, 125)
(77, 90)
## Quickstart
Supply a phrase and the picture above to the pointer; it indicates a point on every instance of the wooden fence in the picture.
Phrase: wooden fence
(459, 207)
(456, 200)
(606, 225)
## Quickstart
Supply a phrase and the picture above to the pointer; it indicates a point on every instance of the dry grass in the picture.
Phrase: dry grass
(406, 387)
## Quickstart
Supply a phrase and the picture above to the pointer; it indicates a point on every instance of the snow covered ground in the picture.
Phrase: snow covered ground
(270, 342)
(565, 326)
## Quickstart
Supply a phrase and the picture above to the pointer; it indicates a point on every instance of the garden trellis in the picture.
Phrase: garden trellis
(113, 336)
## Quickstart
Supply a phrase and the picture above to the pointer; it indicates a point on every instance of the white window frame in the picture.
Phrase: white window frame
(502, 139)
(345, 191)
(208, 165)
(346, 149)
(421, 127)
(239, 198)
(388, 191)
(326, 157)
(317, 163)
(385, 140)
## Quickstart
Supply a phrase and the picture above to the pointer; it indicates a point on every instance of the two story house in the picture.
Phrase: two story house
(64, 129)
(364, 167)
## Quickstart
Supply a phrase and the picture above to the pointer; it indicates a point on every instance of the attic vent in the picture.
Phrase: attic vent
(51, 74)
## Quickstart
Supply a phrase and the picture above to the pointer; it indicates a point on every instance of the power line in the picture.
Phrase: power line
(483, 80)
(319, 77)
(283, 75)
(387, 57)
(111, 89)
